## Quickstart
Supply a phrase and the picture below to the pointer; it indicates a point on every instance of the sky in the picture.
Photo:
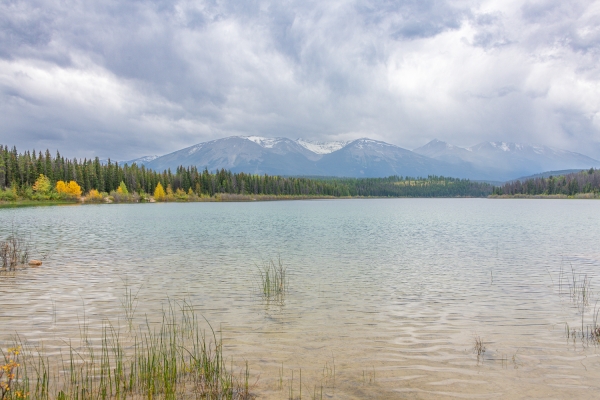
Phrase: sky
(124, 79)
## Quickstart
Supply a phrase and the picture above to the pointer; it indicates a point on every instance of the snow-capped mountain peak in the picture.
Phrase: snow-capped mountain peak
(366, 142)
(265, 142)
(507, 146)
(321, 147)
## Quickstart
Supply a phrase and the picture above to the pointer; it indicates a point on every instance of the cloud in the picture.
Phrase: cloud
(125, 79)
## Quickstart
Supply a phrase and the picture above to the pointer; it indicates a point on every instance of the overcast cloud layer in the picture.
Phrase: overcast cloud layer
(123, 79)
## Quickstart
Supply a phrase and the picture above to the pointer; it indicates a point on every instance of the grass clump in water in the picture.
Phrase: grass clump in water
(14, 251)
(171, 360)
(479, 348)
(273, 280)
(580, 293)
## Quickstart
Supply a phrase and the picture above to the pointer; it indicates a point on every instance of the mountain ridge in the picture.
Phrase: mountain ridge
(507, 160)
(365, 157)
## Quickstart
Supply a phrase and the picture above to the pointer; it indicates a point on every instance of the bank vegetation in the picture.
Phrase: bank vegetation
(46, 178)
(579, 185)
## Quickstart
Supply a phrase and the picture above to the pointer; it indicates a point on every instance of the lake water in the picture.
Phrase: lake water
(392, 292)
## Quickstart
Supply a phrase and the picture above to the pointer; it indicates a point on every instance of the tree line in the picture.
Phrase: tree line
(587, 181)
(20, 171)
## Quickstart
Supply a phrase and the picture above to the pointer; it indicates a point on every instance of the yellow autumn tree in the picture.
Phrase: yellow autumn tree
(42, 184)
(61, 187)
(74, 189)
(159, 192)
(71, 189)
(122, 189)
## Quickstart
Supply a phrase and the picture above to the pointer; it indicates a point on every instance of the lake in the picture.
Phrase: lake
(392, 292)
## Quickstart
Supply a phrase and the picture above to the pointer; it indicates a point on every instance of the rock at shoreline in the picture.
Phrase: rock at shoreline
(35, 263)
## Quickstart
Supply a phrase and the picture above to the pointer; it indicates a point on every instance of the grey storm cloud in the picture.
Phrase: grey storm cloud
(123, 79)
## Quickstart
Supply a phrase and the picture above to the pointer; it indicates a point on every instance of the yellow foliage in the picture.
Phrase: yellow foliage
(70, 189)
(42, 184)
(61, 187)
(122, 189)
(159, 193)
(74, 189)
(8, 371)
(94, 195)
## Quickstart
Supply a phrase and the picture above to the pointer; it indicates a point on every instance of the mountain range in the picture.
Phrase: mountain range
(491, 161)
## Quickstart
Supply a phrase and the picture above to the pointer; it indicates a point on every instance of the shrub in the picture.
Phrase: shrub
(119, 197)
(170, 196)
(8, 195)
(180, 195)
(94, 196)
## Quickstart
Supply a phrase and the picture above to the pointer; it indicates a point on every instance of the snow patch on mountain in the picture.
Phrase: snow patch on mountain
(267, 143)
(141, 160)
(195, 148)
(365, 142)
(321, 147)
(521, 147)
(148, 158)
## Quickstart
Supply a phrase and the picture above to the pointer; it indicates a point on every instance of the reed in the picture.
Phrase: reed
(580, 289)
(479, 348)
(173, 359)
(14, 251)
(595, 328)
(580, 293)
(273, 280)
(368, 376)
(129, 302)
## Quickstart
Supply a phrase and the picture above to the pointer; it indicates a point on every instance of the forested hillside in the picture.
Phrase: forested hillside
(20, 174)
(586, 182)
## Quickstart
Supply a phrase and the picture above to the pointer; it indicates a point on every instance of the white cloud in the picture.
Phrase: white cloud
(125, 79)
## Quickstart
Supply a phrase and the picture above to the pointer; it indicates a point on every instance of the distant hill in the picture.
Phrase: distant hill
(548, 174)
(488, 161)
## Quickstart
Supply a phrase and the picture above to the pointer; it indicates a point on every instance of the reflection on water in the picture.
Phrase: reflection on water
(390, 293)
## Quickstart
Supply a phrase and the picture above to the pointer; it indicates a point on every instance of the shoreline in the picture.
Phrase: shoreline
(578, 196)
(229, 198)
(222, 198)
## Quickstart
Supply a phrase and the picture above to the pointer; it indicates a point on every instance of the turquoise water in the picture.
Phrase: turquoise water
(391, 291)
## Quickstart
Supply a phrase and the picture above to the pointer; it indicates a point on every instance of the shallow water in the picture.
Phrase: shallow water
(391, 292)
